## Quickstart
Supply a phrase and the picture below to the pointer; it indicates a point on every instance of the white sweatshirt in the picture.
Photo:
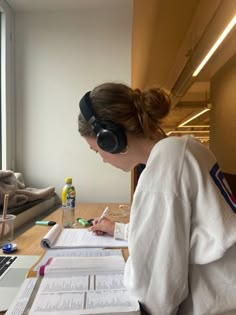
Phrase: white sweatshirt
(182, 233)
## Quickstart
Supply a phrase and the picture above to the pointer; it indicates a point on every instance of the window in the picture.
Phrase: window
(7, 113)
(0, 92)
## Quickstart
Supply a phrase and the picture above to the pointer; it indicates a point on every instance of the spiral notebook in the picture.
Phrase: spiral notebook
(58, 237)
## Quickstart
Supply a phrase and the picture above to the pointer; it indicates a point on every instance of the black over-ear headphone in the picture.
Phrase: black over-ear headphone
(110, 136)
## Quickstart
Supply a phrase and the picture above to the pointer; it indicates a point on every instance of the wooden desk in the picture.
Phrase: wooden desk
(29, 242)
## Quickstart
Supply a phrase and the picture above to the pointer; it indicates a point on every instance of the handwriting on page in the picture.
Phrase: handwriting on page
(84, 238)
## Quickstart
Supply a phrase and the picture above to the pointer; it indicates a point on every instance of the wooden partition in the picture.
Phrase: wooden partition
(231, 179)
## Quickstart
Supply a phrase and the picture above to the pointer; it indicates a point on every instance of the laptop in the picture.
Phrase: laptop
(13, 271)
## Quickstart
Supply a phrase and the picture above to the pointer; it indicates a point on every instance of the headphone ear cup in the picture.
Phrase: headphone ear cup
(111, 138)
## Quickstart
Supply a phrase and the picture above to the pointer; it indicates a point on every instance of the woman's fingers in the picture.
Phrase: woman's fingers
(105, 226)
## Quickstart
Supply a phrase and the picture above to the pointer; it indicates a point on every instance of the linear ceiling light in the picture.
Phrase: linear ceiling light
(189, 132)
(195, 126)
(193, 117)
(215, 46)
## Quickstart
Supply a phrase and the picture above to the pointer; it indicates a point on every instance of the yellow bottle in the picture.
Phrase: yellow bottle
(68, 203)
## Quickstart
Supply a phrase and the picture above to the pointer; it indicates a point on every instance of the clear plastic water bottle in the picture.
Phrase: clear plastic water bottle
(68, 204)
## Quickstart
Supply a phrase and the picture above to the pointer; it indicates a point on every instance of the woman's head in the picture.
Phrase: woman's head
(134, 113)
(139, 113)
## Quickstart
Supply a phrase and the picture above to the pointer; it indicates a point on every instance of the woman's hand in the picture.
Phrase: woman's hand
(105, 226)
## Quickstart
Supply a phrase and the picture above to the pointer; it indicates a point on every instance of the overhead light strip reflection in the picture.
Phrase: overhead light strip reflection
(195, 126)
(215, 46)
(193, 117)
(188, 131)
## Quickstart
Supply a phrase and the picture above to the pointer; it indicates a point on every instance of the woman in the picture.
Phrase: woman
(182, 230)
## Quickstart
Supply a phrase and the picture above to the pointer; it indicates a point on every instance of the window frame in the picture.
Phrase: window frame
(7, 88)
(0, 93)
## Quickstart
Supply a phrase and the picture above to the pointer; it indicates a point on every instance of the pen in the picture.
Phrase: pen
(103, 214)
(51, 223)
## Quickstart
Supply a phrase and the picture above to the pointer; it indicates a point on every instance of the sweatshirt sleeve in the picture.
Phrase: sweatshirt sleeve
(157, 269)
(121, 231)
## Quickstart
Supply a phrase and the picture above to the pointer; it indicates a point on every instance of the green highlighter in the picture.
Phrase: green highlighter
(83, 222)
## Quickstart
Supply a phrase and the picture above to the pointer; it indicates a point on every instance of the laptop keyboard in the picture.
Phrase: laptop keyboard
(5, 263)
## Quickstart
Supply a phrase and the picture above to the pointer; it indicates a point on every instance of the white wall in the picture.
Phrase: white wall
(59, 56)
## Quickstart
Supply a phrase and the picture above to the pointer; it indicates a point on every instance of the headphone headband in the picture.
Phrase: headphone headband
(87, 111)
(110, 136)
